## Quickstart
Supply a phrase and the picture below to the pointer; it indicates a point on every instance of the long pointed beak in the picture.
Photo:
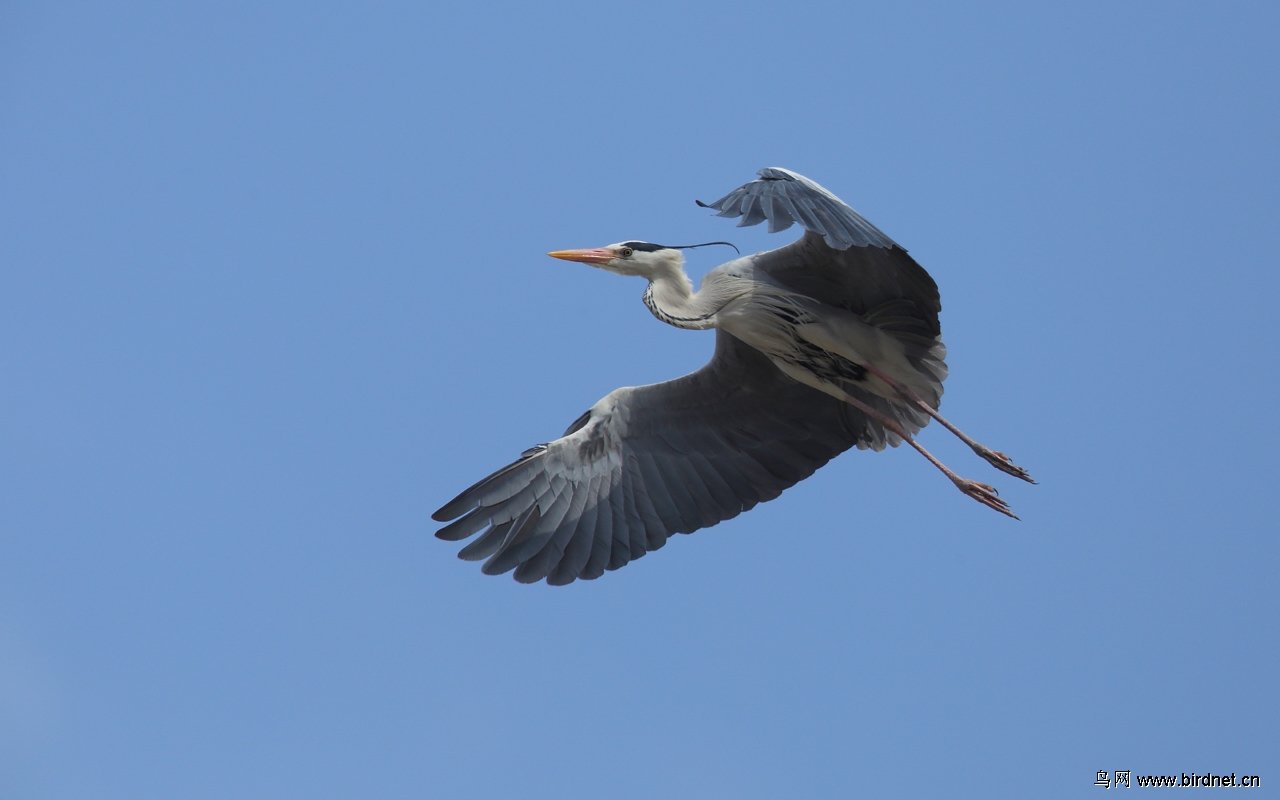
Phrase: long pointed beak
(594, 255)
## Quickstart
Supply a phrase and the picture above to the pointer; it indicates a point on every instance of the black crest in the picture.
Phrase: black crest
(650, 247)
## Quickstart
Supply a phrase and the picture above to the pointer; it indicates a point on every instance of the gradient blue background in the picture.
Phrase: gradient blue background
(273, 288)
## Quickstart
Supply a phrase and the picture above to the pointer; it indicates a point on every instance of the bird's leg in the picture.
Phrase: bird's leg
(994, 457)
(987, 495)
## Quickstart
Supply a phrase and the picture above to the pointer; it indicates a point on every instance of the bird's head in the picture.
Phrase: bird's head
(626, 258)
(632, 258)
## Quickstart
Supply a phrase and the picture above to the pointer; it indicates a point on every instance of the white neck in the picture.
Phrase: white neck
(671, 298)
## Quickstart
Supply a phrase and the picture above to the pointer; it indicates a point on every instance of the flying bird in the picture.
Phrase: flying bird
(828, 343)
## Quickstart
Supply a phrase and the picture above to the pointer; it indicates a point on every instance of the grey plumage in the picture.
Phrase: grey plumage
(783, 197)
(787, 389)
(656, 460)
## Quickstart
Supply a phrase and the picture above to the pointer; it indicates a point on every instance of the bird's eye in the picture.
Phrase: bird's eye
(625, 252)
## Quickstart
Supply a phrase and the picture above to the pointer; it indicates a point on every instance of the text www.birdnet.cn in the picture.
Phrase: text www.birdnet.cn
(1122, 777)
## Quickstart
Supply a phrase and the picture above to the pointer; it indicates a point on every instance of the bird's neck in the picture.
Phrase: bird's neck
(671, 298)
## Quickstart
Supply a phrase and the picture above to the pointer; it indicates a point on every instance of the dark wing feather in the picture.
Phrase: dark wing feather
(650, 461)
(782, 197)
(883, 285)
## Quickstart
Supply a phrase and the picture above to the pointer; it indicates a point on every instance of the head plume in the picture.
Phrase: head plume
(649, 247)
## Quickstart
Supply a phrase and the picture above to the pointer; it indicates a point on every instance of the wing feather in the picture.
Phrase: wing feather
(536, 551)
(782, 196)
(602, 543)
(690, 484)
(728, 503)
(578, 547)
(655, 532)
(625, 523)
(516, 546)
(487, 544)
(665, 505)
(667, 471)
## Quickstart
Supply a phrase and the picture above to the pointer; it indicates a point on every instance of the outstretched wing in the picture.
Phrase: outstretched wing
(783, 197)
(646, 462)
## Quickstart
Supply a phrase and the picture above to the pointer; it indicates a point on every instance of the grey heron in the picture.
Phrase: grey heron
(824, 344)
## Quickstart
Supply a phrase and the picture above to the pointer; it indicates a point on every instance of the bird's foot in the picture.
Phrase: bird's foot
(987, 495)
(1003, 463)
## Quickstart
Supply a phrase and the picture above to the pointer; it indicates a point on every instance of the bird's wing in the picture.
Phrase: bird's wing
(844, 261)
(883, 285)
(649, 461)
(783, 197)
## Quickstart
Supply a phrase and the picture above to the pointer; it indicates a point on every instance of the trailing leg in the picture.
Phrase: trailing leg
(987, 495)
(994, 457)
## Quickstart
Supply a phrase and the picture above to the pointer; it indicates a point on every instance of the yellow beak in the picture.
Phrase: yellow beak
(594, 255)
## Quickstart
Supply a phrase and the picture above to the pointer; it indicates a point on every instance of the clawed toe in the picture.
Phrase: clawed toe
(1003, 463)
(987, 495)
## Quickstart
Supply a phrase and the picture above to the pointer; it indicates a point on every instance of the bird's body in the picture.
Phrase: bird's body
(827, 343)
(800, 332)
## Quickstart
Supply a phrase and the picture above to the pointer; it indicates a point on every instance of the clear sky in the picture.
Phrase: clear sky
(273, 288)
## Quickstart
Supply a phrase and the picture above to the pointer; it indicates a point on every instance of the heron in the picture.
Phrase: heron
(827, 343)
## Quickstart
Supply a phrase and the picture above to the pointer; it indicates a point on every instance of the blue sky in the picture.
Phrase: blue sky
(274, 289)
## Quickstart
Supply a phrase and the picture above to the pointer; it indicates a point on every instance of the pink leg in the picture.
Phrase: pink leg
(981, 492)
(994, 457)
